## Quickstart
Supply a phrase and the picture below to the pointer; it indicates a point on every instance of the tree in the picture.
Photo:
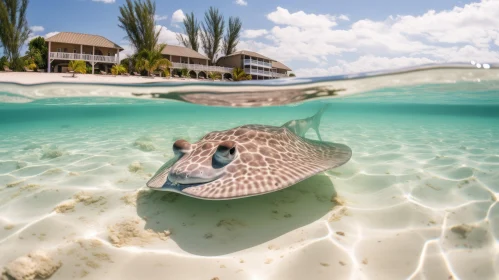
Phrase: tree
(151, 60)
(118, 69)
(129, 63)
(3, 62)
(38, 51)
(214, 75)
(14, 30)
(212, 32)
(137, 19)
(292, 75)
(167, 72)
(238, 74)
(29, 62)
(231, 38)
(78, 66)
(191, 29)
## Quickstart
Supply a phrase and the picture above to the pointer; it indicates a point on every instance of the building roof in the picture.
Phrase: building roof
(83, 39)
(182, 51)
(277, 64)
(249, 53)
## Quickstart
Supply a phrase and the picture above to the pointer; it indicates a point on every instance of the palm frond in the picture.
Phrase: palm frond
(137, 20)
(231, 38)
(212, 33)
(191, 30)
(14, 30)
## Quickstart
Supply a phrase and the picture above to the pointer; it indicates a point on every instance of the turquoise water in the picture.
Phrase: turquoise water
(418, 199)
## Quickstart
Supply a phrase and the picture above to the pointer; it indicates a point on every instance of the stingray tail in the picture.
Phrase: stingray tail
(316, 120)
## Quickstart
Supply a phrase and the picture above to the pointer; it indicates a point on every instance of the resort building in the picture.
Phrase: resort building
(258, 66)
(99, 52)
(196, 63)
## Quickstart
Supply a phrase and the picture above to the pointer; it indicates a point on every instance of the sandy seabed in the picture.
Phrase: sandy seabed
(414, 202)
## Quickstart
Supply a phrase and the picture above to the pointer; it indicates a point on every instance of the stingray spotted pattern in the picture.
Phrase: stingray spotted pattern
(245, 161)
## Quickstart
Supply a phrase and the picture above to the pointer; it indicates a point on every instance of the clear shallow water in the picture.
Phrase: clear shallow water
(418, 199)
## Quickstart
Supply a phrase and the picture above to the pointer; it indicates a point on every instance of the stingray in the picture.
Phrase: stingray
(248, 160)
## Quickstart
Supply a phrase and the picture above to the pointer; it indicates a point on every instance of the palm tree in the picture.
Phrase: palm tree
(212, 32)
(191, 29)
(78, 66)
(238, 74)
(151, 60)
(137, 19)
(118, 69)
(214, 75)
(167, 72)
(231, 38)
(14, 30)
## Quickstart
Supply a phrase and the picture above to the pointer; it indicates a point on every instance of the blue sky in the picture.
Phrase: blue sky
(318, 37)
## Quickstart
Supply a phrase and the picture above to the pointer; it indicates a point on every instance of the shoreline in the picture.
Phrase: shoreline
(39, 77)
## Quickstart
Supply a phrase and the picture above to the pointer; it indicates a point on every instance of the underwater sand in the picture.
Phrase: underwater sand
(418, 199)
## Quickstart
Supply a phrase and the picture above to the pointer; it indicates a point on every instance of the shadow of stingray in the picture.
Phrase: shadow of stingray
(212, 228)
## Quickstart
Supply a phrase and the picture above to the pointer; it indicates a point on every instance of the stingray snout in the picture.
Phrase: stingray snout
(201, 175)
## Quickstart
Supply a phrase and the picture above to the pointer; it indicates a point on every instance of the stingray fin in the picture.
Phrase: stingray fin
(316, 120)
(161, 176)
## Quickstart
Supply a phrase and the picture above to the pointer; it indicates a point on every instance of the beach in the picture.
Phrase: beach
(37, 78)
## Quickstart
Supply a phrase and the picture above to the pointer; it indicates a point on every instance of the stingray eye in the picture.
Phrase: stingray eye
(181, 147)
(226, 152)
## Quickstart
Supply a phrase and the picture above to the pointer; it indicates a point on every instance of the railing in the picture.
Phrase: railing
(257, 63)
(279, 75)
(264, 73)
(84, 57)
(200, 67)
(258, 72)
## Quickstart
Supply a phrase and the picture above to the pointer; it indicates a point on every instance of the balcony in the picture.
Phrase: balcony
(265, 73)
(257, 63)
(200, 67)
(84, 57)
(279, 75)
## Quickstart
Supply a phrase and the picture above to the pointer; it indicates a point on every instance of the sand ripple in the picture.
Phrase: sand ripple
(415, 202)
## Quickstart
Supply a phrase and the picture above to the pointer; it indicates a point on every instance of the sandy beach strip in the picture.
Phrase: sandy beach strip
(36, 78)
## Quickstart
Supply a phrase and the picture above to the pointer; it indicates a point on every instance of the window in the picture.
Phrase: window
(65, 50)
(74, 50)
(108, 54)
(58, 49)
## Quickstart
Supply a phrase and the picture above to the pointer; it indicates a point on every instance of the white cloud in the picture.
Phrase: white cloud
(344, 17)
(50, 34)
(241, 2)
(166, 36)
(253, 33)
(284, 17)
(178, 16)
(363, 64)
(469, 32)
(37, 28)
(128, 50)
(475, 23)
(105, 1)
(160, 18)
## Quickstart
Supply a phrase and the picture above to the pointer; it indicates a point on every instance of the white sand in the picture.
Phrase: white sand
(36, 78)
(413, 203)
